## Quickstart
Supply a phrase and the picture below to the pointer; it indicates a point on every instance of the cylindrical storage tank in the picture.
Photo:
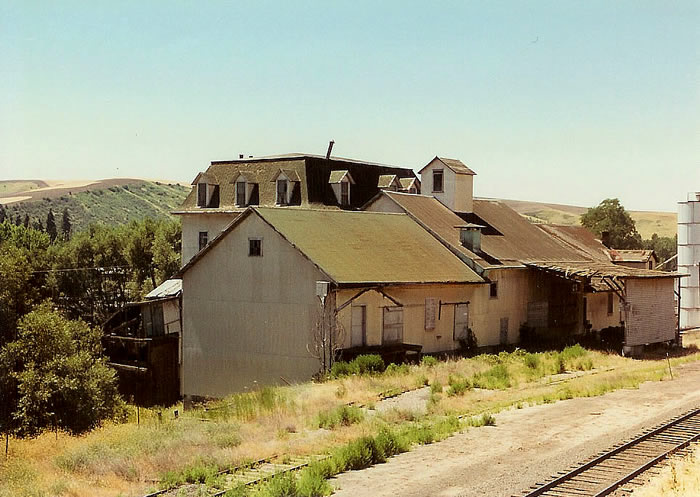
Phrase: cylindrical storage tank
(689, 260)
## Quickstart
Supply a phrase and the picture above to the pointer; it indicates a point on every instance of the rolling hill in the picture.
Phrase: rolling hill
(109, 201)
(648, 222)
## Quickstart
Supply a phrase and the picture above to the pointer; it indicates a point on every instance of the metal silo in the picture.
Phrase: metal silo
(689, 260)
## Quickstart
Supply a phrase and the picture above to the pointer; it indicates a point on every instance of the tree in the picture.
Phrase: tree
(16, 291)
(51, 225)
(665, 248)
(327, 337)
(611, 217)
(54, 376)
(66, 224)
(166, 249)
(3, 214)
(25, 223)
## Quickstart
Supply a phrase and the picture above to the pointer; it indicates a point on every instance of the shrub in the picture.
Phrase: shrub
(421, 381)
(340, 369)
(458, 386)
(369, 364)
(397, 369)
(436, 387)
(573, 352)
(312, 481)
(496, 378)
(532, 361)
(358, 454)
(284, 485)
(429, 361)
(340, 416)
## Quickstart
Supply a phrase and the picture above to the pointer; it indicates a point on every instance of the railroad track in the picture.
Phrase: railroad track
(618, 470)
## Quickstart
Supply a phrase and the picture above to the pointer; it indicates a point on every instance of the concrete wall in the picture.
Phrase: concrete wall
(192, 224)
(650, 316)
(457, 192)
(248, 319)
(597, 310)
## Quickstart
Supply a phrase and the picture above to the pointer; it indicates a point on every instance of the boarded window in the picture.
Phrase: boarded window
(537, 314)
(430, 311)
(282, 192)
(255, 247)
(201, 195)
(610, 303)
(437, 180)
(240, 193)
(392, 329)
(461, 330)
(504, 331)
(358, 337)
(203, 239)
(344, 193)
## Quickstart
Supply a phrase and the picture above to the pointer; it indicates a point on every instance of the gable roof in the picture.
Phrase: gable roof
(407, 183)
(619, 255)
(205, 177)
(579, 238)
(338, 175)
(456, 165)
(359, 248)
(388, 180)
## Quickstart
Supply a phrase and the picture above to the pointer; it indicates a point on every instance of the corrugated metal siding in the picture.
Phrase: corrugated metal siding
(650, 311)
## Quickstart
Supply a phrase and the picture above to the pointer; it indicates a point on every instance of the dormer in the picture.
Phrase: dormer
(340, 181)
(451, 182)
(409, 185)
(244, 187)
(286, 181)
(207, 190)
(389, 182)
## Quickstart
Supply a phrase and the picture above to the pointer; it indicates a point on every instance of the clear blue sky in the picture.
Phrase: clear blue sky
(557, 101)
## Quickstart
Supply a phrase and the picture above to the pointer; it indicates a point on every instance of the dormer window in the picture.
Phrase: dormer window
(201, 195)
(241, 193)
(438, 180)
(282, 191)
(340, 181)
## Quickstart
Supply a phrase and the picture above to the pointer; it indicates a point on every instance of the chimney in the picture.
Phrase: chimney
(240, 156)
(330, 149)
(605, 238)
(470, 237)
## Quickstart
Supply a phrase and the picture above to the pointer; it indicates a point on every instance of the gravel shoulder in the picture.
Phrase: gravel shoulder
(526, 445)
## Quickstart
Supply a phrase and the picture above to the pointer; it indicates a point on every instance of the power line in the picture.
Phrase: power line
(65, 270)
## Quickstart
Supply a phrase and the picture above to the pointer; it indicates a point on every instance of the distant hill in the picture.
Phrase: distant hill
(648, 222)
(109, 201)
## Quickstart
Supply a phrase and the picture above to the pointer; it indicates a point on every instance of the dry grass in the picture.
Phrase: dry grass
(130, 459)
(680, 478)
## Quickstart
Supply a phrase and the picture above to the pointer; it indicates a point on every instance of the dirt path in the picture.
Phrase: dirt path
(526, 445)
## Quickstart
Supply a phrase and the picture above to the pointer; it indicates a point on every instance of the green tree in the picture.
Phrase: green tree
(54, 375)
(66, 224)
(167, 244)
(665, 248)
(611, 217)
(51, 225)
(16, 291)
(25, 223)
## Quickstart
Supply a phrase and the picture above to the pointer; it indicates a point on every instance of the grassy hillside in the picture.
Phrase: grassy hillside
(108, 201)
(648, 223)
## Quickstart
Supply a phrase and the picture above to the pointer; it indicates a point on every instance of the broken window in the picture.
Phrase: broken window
(358, 337)
(437, 180)
(392, 330)
(344, 193)
(282, 189)
(493, 289)
(203, 239)
(461, 330)
(255, 247)
(610, 303)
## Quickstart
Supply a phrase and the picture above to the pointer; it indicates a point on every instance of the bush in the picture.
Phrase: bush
(397, 369)
(340, 369)
(531, 361)
(429, 361)
(458, 385)
(436, 387)
(496, 378)
(368, 364)
(340, 416)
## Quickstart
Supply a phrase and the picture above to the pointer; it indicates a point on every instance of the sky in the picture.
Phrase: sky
(552, 101)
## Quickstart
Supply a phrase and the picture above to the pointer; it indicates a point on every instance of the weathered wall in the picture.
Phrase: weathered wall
(192, 224)
(385, 204)
(248, 319)
(457, 192)
(650, 316)
(597, 311)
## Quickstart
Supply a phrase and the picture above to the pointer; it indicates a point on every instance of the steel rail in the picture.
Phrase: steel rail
(608, 455)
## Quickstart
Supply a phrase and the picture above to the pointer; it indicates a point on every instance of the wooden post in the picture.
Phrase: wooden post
(669, 365)
(7, 444)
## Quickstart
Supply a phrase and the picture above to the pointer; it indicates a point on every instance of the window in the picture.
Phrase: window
(392, 330)
(610, 303)
(203, 239)
(241, 193)
(281, 192)
(461, 329)
(430, 313)
(358, 337)
(255, 247)
(344, 193)
(650, 265)
(437, 180)
(201, 194)
(493, 289)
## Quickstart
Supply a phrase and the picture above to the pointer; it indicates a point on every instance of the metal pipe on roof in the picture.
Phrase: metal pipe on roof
(330, 148)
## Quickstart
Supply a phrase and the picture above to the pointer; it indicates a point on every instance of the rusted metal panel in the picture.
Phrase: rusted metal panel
(650, 314)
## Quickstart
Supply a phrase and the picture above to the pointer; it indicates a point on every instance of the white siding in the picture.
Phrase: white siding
(457, 192)
(248, 320)
(192, 224)
(650, 313)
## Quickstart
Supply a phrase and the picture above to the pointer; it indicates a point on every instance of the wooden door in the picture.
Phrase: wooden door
(358, 336)
(392, 330)
(461, 331)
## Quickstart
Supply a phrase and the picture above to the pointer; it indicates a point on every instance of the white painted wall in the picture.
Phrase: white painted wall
(248, 319)
(650, 316)
(192, 224)
(458, 189)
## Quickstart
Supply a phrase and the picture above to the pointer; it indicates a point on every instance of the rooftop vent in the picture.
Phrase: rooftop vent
(470, 237)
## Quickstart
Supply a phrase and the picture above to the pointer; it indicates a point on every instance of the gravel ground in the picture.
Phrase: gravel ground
(526, 445)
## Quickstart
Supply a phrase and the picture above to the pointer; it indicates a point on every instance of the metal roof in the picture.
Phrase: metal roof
(455, 165)
(619, 255)
(167, 289)
(368, 247)
(578, 238)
